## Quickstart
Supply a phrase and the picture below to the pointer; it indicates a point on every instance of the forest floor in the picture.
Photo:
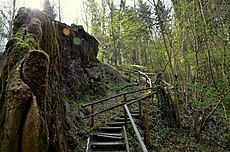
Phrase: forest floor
(165, 139)
(173, 139)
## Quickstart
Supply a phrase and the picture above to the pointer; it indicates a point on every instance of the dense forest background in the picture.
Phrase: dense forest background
(188, 42)
(190, 38)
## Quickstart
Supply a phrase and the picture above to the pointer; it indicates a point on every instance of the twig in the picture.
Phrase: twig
(206, 119)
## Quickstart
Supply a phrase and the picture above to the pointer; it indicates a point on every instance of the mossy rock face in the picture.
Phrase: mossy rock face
(35, 74)
(17, 99)
(44, 61)
(24, 80)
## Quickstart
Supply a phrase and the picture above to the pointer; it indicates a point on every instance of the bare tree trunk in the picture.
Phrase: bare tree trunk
(165, 104)
(59, 10)
(86, 10)
(12, 19)
(114, 56)
(169, 55)
(207, 43)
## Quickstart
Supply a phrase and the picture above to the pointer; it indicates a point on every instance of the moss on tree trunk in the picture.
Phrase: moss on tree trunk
(165, 104)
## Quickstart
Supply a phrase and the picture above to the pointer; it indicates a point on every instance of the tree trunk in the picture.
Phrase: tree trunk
(12, 19)
(147, 133)
(172, 70)
(59, 10)
(165, 104)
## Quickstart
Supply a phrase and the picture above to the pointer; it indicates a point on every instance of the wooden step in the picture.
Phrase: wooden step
(110, 137)
(106, 138)
(111, 129)
(107, 151)
(121, 119)
(109, 146)
(134, 115)
(116, 124)
(106, 144)
(112, 134)
(134, 112)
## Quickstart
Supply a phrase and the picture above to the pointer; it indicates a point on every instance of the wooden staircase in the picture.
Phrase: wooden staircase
(111, 138)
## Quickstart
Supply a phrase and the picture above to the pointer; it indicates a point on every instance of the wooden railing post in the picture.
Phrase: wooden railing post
(139, 76)
(92, 116)
(131, 101)
(140, 108)
(147, 136)
(152, 95)
(129, 74)
(125, 113)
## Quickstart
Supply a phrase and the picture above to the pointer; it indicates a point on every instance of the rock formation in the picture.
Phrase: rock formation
(44, 61)
(29, 86)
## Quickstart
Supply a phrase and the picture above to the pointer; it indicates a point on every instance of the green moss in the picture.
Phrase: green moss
(35, 33)
(32, 67)
(44, 135)
(2, 120)
(35, 75)
(15, 129)
(16, 50)
(17, 99)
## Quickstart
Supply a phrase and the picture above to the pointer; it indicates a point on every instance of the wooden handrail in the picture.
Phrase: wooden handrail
(148, 80)
(150, 73)
(102, 100)
(118, 95)
(99, 112)
(143, 147)
(142, 98)
(128, 102)
(145, 75)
